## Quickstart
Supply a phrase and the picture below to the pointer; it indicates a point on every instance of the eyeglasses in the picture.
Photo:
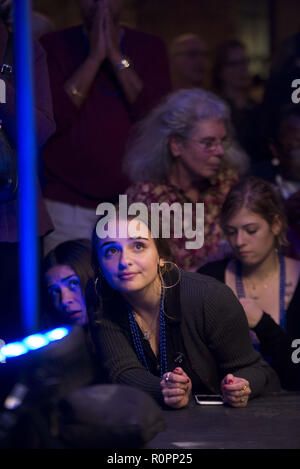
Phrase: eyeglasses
(211, 144)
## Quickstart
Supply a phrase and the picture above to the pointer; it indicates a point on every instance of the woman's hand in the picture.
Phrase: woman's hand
(236, 391)
(176, 388)
(253, 312)
(112, 37)
(96, 34)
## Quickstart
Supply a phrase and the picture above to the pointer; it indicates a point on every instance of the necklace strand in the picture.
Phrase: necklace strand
(241, 291)
(136, 337)
(147, 333)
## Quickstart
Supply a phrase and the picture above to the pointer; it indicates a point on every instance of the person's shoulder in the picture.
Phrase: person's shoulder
(215, 268)
(38, 49)
(202, 291)
(143, 37)
(293, 265)
(228, 174)
(222, 182)
(199, 281)
(67, 35)
(145, 185)
(154, 191)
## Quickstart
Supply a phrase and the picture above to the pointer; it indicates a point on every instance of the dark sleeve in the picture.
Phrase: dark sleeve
(227, 334)
(276, 345)
(152, 66)
(65, 111)
(44, 120)
(120, 361)
(45, 124)
(214, 269)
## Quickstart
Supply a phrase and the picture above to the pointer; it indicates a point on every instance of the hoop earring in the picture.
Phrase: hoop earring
(96, 285)
(161, 277)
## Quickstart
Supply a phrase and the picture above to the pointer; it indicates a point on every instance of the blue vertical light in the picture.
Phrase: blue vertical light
(27, 155)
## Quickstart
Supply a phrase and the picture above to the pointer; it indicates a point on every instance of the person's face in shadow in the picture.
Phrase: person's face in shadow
(235, 70)
(88, 9)
(251, 237)
(189, 61)
(200, 156)
(287, 148)
(65, 294)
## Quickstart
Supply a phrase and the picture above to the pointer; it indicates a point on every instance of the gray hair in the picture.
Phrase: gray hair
(148, 156)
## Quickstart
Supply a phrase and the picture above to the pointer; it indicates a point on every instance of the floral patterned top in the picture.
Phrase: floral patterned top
(213, 197)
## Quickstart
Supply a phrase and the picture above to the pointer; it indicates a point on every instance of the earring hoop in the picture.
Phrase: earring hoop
(96, 285)
(161, 277)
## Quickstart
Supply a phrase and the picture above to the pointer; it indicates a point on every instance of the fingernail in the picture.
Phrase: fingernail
(187, 380)
(230, 381)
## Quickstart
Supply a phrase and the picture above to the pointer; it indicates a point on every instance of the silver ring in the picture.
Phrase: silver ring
(242, 399)
(167, 377)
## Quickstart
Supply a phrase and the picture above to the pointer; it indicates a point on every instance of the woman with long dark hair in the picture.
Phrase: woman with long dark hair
(166, 331)
(66, 271)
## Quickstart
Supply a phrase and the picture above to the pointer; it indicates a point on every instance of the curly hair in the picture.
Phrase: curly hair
(148, 155)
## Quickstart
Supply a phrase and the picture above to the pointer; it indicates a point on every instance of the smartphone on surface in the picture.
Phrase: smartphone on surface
(209, 399)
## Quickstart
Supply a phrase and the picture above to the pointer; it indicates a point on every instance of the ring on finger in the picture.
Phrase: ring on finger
(242, 399)
(245, 387)
(167, 377)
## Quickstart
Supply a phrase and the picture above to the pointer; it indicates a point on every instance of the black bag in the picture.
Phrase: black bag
(108, 416)
(8, 155)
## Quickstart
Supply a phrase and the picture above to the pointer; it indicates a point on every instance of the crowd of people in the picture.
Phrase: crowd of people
(119, 113)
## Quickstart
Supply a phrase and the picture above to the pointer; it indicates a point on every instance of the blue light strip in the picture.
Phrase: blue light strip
(26, 146)
(33, 342)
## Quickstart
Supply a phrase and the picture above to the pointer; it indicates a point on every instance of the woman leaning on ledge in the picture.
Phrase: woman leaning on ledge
(168, 332)
(266, 282)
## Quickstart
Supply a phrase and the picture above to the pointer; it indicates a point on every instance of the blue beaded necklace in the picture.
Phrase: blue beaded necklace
(241, 291)
(134, 328)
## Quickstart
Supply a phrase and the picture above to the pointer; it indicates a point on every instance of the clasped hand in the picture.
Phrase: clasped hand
(176, 388)
(104, 35)
(236, 391)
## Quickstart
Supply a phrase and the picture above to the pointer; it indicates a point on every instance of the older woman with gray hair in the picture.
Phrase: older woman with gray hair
(183, 152)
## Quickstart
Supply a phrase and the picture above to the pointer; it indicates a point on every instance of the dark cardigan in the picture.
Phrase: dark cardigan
(275, 342)
(214, 331)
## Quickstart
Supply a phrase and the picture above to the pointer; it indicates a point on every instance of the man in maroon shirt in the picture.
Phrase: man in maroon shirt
(104, 77)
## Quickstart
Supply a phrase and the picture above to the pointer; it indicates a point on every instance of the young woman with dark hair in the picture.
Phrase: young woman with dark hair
(166, 331)
(66, 271)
